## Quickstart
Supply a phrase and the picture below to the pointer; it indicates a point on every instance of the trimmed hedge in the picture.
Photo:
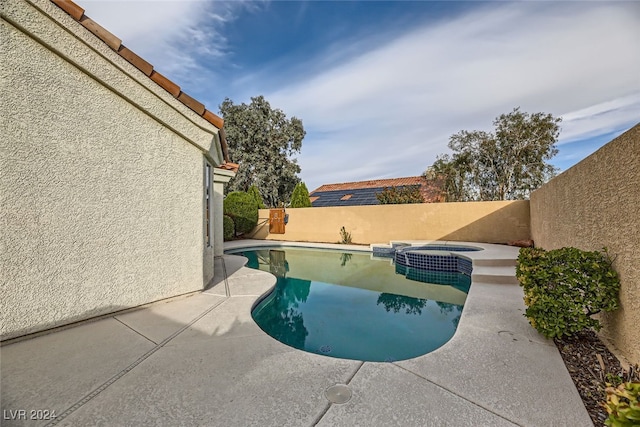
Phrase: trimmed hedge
(243, 210)
(229, 228)
(564, 288)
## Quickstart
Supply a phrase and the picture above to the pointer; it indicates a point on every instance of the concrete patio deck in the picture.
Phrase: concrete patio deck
(201, 360)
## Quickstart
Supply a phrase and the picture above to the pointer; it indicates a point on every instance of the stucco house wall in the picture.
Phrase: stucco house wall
(592, 205)
(102, 177)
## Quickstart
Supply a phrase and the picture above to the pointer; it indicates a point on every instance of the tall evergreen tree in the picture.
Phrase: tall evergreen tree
(300, 196)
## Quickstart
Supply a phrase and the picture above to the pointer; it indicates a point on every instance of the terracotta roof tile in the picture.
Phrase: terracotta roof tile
(104, 35)
(374, 183)
(135, 60)
(115, 43)
(213, 119)
(166, 84)
(230, 166)
(192, 103)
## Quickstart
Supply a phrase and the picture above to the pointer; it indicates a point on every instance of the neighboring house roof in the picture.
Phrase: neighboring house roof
(364, 192)
(146, 68)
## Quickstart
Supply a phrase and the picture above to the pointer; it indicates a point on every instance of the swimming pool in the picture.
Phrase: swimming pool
(354, 306)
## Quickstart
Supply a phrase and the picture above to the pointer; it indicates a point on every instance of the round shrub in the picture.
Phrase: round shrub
(564, 288)
(229, 228)
(243, 210)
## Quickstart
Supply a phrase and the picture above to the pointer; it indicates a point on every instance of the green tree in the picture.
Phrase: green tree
(300, 196)
(400, 195)
(450, 177)
(506, 164)
(262, 140)
(255, 193)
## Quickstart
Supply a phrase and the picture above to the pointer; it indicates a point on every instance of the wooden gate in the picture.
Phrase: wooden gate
(276, 221)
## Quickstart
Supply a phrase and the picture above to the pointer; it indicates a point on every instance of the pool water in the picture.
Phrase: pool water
(348, 305)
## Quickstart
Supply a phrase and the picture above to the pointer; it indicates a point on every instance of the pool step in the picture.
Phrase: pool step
(503, 275)
(494, 262)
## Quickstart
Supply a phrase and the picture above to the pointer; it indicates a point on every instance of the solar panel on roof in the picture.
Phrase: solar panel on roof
(359, 197)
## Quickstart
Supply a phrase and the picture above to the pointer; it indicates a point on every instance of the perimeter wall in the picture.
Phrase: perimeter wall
(592, 205)
(488, 222)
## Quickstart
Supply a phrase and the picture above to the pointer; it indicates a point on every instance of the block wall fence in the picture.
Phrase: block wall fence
(489, 222)
(596, 204)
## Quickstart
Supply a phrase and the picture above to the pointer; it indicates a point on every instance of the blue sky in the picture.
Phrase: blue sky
(380, 86)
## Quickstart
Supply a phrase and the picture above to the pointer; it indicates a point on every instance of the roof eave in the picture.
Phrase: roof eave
(77, 13)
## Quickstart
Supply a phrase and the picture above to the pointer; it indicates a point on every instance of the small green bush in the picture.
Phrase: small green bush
(564, 288)
(243, 210)
(255, 193)
(622, 405)
(229, 228)
(300, 196)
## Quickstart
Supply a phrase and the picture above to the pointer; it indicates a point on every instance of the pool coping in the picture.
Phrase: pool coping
(488, 252)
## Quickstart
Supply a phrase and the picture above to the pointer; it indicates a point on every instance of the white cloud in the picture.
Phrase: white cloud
(602, 118)
(390, 110)
(385, 105)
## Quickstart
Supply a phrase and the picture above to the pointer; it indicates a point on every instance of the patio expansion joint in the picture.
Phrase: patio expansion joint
(136, 331)
(123, 372)
(440, 386)
(329, 404)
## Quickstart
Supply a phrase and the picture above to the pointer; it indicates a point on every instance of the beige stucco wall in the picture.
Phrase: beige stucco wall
(101, 185)
(490, 222)
(595, 204)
